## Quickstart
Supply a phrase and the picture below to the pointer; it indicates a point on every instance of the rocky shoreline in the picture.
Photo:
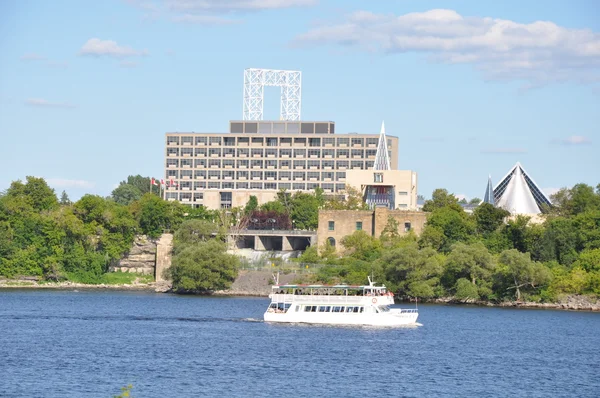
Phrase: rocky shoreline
(256, 284)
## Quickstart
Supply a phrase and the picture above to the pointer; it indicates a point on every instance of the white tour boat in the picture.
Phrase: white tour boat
(337, 305)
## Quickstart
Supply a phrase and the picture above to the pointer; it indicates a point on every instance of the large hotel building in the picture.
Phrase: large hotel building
(222, 170)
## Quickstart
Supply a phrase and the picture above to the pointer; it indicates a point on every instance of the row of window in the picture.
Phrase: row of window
(257, 175)
(272, 141)
(359, 226)
(282, 153)
(182, 195)
(334, 308)
(269, 164)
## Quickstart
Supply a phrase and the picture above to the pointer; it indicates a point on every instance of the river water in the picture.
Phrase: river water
(91, 343)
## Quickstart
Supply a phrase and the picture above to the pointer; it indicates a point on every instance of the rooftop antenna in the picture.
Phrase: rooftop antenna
(255, 81)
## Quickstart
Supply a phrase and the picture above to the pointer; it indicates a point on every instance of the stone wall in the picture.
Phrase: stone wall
(140, 259)
(164, 247)
(372, 222)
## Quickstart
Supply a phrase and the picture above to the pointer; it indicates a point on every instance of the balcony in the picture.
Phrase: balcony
(214, 155)
(186, 143)
(213, 178)
(172, 155)
(229, 155)
(171, 166)
(186, 155)
(186, 177)
(172, 144)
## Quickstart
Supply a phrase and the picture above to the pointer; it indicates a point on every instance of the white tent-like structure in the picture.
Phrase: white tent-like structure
(518, 193)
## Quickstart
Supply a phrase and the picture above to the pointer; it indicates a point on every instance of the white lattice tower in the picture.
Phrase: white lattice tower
(255, 81)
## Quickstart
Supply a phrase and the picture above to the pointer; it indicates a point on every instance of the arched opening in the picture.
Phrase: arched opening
(407, 226)
(331, 241)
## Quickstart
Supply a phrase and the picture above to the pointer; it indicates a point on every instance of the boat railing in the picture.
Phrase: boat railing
(317, 298)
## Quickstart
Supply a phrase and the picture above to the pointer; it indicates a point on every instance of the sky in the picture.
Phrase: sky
(88, 89)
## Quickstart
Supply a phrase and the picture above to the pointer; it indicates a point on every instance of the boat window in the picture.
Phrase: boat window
(297, 308)
(337, 309)
(349, 309)
(383, 308)
(273, 305)
(310, 308)
(362, 309)
(356, 309)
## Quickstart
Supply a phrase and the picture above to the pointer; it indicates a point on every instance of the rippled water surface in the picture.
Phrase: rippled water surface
(89, 344)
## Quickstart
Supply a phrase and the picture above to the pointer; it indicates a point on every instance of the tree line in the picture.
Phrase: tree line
(56, 240)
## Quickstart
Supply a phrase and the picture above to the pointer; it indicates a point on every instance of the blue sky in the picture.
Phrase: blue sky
(88, 89)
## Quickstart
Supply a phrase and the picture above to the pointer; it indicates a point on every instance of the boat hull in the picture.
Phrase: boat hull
(395, 318)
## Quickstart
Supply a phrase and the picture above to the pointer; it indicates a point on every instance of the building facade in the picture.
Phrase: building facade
(336, 224)
(222, 170)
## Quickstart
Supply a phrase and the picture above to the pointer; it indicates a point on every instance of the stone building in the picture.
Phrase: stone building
(335, 224)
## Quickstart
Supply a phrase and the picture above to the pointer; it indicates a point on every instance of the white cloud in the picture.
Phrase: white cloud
(575, 140)
(503, 150)
(47, 104)
(203, 19)
(538, 52)
(66, 183)
(206, 12)
(32, 57)
(97, 47)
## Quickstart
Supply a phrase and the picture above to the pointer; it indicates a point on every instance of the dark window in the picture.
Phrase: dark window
(407, 226)
(331, 241)
(237, 128)
(359, 225)
(307, 128)
(251, 127)
(331, 225)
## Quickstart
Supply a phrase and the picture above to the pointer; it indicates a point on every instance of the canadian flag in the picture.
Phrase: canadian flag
(154, 182)
(173, 183)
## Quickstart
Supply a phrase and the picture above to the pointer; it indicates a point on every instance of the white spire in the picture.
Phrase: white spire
(382, 158)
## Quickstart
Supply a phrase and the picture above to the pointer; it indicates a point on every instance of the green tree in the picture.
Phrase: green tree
(305, 209)
(517, 272)
(472, 262)
(456, 226)
(488, 218)
(125, 194)
(192, 232)
(440, 198)
(465, 290)
(351, 200)
(474, 201)
(251, 205)
(413, 272)
(64, 199)
(203, 267)
(362, 246)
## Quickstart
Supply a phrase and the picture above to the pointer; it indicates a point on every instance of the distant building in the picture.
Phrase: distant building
(260, 158)
(335, 224)
(517, 193)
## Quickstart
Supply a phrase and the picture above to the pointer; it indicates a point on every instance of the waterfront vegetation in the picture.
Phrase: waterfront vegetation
(57, 240)
(485, 255)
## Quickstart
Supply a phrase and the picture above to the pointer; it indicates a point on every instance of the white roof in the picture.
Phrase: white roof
(518, 193)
